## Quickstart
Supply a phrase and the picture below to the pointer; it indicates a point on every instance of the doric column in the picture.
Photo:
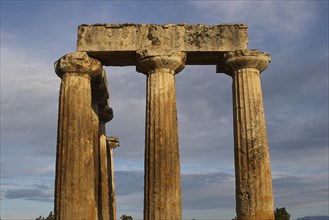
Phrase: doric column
(75, 190)
(112, 142)
(254, 198)
(105, 115)
(162, 189)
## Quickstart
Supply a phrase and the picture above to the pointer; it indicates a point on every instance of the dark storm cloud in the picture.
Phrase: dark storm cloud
(205, 116)
(295, 91)
(207, 191)
(301, 191)
(127, 98)
(129, 182)
(209, 202)
(199, 190)
(304, 135)
(213, 190)
(299, 88)
(202, 113)
(43, 193)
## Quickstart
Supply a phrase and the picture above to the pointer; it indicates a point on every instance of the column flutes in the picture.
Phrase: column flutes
(254, 197)
(105, 115)
(75, 189)
(162, 189)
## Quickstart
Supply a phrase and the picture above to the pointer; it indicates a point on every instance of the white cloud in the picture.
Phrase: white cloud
(29, 90)
(4, 36)
(29, 103)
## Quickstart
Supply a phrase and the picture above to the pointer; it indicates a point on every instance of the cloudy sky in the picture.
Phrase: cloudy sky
(295, 89)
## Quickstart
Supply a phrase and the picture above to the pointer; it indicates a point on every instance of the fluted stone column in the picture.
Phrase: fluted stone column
(162, 188)
(112, 142)
(105, 115)
(254, 198)
(75, 189)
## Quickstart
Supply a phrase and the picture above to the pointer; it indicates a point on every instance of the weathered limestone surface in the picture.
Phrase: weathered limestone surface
(76, 179)
(117, 44)
(105, 115)
(162, 189)
(96, 144)
(84, 167)
(112, 143)
(254, 196)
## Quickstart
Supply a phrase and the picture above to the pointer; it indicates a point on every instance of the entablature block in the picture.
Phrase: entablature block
(117, 44)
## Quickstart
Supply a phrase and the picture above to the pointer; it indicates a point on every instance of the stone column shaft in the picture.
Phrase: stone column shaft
(254, 197)
(112, 142)
(104, 180)
(105, 115)
(75, 189)
(162, 189)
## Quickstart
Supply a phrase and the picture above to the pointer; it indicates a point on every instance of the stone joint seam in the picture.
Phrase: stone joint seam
(78, 74)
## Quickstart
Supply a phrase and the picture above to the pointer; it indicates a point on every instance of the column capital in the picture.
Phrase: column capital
(240, 59)
(149, 62)
(112, 141)
(78, 63)
(105, 113)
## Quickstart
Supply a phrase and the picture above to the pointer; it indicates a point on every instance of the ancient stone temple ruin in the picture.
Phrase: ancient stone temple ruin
(84, 167)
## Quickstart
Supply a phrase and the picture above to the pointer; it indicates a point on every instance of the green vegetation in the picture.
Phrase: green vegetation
(126, 217)
(51, 216)
(281, 214)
